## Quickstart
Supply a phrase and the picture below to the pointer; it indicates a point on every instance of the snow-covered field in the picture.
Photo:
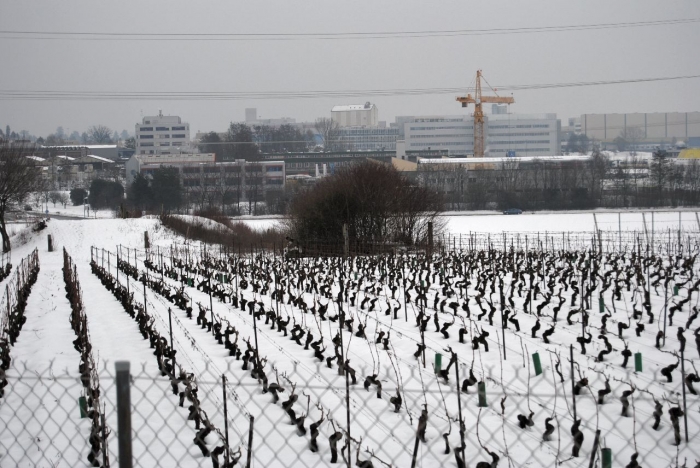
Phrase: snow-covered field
(495, 222)
(163, 435)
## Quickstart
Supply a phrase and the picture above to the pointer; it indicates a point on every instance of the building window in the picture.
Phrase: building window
(165, 143)
(162, 129)
(145, 137)
(274, 168)
(274, 182)
(146, 144)
(177, 143)
(178, 128)
(146, 129)
(179, 135)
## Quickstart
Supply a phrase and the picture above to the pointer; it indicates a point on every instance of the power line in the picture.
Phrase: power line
(53, 95)
(125, 36)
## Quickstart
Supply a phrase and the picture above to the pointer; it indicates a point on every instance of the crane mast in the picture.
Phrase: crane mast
(478, 99)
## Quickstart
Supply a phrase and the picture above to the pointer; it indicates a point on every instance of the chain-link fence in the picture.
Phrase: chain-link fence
(524, 419)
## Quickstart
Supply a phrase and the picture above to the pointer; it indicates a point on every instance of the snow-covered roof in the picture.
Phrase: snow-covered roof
(175, 158)
(67, 158)
(500, 160)
(351, 107)
(100, 158)
(81, 146)
(36, 158)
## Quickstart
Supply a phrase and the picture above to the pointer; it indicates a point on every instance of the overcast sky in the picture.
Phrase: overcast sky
(340, 64)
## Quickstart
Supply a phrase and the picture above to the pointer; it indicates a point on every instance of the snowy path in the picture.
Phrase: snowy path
(44, 416)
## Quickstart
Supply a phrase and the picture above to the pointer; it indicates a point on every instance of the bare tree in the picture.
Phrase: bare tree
(629, 139)
(18, 178)
(100, 134)
(329, 131)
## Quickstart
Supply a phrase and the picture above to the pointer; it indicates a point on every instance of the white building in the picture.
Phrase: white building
(162, 134)
(366, 115)
(454, 133)
(505, 134)
(523, 135)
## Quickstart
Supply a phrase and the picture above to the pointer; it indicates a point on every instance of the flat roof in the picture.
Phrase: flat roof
(500, 160)
(351, 107)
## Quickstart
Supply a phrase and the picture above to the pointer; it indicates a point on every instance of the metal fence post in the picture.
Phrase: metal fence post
(223, 386)
(123, 413)
(250, 442)
(573, 380)
(595, 448)
(683, 384)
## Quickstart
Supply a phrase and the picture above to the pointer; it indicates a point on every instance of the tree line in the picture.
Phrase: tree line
(556, 185)
(241, 141)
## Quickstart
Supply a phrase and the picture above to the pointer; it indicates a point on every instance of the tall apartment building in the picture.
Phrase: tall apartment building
(162, 134)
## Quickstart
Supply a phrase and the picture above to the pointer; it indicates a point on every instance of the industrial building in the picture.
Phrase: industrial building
(110, 152)
(306, 164)
(523, 135)
(505, 134)
(651, 129)
(162, 134)
(64, 172)
(368, 138)
(361, 115)
(202, 173)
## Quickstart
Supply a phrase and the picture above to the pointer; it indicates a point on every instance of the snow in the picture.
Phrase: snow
(100, 158)
(572, 221)
(464, 222)
(514, 159)
(165, 436)
(204, 222)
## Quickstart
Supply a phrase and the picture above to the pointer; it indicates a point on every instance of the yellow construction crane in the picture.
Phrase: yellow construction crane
(478, 100)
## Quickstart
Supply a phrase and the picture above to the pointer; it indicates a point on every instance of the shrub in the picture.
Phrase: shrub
(77, 196)
(105, 194)
(378, 204)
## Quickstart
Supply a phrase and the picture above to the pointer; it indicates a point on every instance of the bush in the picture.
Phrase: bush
(378, 204)
(105, 194)
(232, 234)
(77, 196)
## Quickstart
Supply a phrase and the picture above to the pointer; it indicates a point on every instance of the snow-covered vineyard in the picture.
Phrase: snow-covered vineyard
(254, 360)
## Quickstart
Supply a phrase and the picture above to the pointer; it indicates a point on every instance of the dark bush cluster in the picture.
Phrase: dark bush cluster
(376, 202)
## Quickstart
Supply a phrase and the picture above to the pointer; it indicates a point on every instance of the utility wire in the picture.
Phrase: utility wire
(47, 95)
(126, 36)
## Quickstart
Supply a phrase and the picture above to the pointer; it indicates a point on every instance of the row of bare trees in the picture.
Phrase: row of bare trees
(575, 184)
